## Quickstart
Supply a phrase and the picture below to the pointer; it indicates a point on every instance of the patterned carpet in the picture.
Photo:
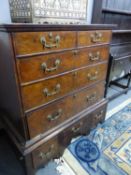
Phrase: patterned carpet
(106, 151)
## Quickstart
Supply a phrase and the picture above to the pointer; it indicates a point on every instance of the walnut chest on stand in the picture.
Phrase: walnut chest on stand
(52, 83)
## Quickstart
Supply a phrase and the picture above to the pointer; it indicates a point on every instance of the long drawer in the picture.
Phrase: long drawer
(46, 118)
(39, 67)
(53, 148)
(51, 89)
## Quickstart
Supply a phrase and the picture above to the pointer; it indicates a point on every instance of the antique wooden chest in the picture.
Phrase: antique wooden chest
(52, 83)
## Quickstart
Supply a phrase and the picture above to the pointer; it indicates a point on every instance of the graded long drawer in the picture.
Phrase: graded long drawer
(51, 89)
(50, 116)
(38, 42)
(38, 67)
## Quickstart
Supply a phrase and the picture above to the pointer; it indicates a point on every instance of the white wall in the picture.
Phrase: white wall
(4, 12)
(89, 11)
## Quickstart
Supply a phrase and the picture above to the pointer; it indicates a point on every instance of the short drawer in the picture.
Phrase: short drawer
(38, 42)
(45, 152)
(98, 116)
(88, 56)
(81, 127)
(87, 38)
(90, 75)
(50, 116)
(43, 92)
(39, 67)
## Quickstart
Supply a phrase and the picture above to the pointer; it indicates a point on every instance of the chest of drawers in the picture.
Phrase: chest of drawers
(52, 83)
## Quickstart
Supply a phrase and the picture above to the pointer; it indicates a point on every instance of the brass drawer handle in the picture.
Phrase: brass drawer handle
(48, 154)
(96, 37)
(94, 57)
(91, 97)
(98, 116)
(76, 129)
(92, 77)
(53, 42)
(55, 116)
(46, 69)
(56, 91)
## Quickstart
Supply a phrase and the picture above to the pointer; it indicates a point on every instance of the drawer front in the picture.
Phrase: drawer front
(90, 75)
(93, 37)
(81, 127)
(40, 93)
(37, 42)
(91, 55)
(50, 116)
(54, 114)
(89, 96)
(98, 116)
(39, 67)
(46, 152)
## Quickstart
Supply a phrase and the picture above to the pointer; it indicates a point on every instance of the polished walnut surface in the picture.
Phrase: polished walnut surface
(54, 86)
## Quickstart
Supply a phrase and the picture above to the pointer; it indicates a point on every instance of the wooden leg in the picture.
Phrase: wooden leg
(29, 170)
(129, 80)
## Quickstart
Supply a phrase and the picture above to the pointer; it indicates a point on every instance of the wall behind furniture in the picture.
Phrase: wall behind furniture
(89, 11)
(4, 12)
